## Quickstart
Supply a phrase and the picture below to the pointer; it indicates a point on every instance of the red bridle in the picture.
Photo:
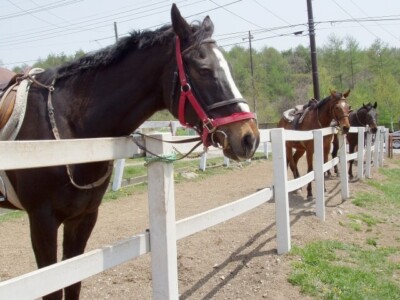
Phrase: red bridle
(209, 125)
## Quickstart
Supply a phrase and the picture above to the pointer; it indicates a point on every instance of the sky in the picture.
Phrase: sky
(33, 29)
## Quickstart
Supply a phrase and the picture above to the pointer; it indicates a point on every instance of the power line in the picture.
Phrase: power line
(53, 5)
(90, 21)
(384, 29)
(271, 12)
(346, 12)
(237, 15)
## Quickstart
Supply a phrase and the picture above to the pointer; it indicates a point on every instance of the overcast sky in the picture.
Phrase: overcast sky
(32, 29)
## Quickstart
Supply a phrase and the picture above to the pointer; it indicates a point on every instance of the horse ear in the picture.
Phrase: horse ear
(346, 94)
(208, 26)
(376, 105)
(179, 24)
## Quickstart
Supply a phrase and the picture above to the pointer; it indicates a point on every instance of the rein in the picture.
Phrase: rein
(358, 120)
(54, 129)
(163, 158)
(210, 125)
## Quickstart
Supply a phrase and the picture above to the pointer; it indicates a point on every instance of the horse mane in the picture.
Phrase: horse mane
(326, 99)
(135, 41)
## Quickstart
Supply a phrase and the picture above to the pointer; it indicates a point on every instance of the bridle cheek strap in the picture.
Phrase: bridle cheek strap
(209, 125)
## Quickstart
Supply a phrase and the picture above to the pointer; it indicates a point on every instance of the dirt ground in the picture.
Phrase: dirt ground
(233, 260)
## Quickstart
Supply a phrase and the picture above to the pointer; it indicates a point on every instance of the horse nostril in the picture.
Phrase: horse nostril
(248, 143)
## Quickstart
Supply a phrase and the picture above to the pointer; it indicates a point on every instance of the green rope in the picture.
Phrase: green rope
(167, 158)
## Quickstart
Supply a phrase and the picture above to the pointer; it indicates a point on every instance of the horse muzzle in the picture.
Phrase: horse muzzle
(239, 140)
(345, 129)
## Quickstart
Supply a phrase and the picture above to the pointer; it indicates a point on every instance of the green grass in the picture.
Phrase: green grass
(385, 192)
(335, 270)
(364, 218)
(12, 215)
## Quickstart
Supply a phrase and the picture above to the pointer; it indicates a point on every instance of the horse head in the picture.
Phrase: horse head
(340, 110)
(209, 100)
(370, 116)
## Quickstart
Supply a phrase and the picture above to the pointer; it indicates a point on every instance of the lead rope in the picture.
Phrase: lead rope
(169, 158)
(56, 135)
(358, 120)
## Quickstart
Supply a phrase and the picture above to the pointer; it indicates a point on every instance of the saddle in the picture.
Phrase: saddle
(299, 111)
(9, 82)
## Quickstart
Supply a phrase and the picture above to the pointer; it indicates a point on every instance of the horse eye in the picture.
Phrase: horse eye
(205, 72)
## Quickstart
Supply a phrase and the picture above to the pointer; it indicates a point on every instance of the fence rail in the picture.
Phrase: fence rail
(164, 229)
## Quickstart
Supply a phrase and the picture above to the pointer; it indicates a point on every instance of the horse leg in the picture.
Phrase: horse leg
(297, 155)
(295, 159)
(351, 150)
(43, 230)
(309, 156)
(335, 150)
(76, 234)
(290, 162)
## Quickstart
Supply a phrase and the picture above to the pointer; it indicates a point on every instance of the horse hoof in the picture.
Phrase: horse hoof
(310, 198)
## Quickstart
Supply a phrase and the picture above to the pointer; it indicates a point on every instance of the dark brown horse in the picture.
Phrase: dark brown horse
(319, 115)
(109, 93)
(366, 115)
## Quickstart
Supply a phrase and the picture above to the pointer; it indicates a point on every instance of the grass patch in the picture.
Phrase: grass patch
(335, 270)
(386, 191)
(363, 199)
(12, 215)
(364, 218)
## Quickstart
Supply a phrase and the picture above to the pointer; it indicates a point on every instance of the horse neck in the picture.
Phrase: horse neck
(357, 118)
(115, 100)
(324, 115)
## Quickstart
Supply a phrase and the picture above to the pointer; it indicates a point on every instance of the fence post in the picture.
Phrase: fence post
(387, 142)
(319, 173)
(118, 174)
(266, 149)
(360, 153)
(368, 155)
(226, 161)
(203, 161)
(344, 176)
(382, 134)
(376, 148)
(280, 190)
(162, 221)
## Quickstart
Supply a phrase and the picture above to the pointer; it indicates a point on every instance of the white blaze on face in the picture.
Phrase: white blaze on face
(235, 91)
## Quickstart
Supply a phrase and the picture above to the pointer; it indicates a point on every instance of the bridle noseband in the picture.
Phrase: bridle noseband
(210, 125)
(337, 119)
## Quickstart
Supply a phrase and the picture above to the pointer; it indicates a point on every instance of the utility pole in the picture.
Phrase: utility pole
(252, 74)
(313, 49)
(116, 31)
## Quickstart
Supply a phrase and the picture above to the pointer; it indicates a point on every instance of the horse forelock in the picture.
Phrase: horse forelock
(135, 41)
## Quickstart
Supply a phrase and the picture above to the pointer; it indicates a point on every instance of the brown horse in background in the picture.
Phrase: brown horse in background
(366, 115)
(319, 115)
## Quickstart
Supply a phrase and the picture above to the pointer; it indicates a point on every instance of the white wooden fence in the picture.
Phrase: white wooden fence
(164, 229)
(117, 180)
